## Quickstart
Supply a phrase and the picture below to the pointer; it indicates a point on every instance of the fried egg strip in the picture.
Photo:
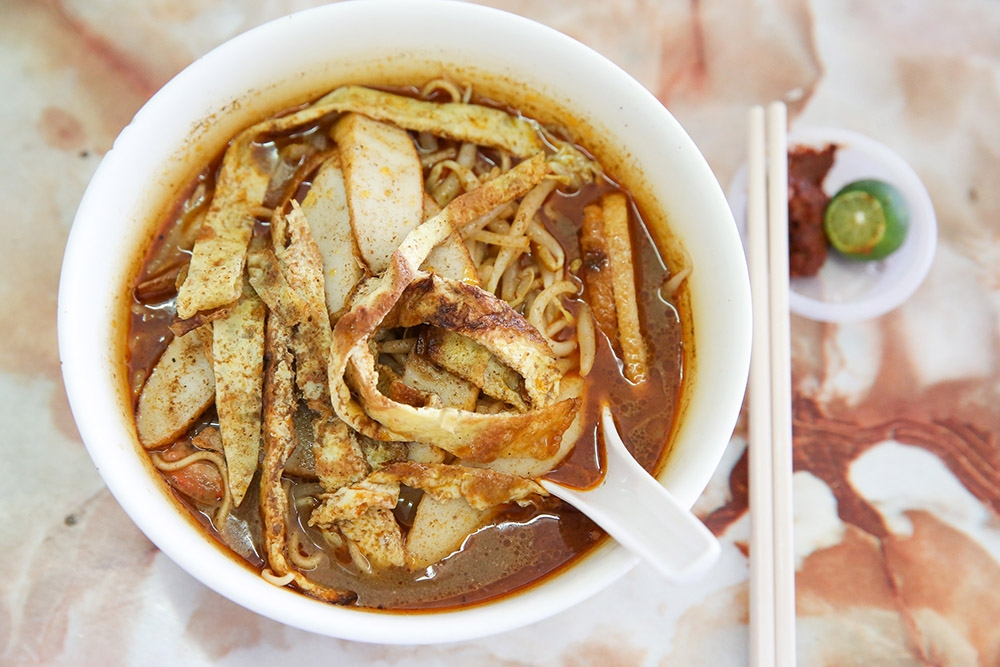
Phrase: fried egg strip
(463, 122)
(215, 275)
(219, 254)
(489, 321)
(480, 487)
(238, 362)
(302, 265)
(375, 298)
(279, 442)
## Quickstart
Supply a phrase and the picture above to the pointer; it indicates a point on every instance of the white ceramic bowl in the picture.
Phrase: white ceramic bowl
(847, 290)
(297, 58)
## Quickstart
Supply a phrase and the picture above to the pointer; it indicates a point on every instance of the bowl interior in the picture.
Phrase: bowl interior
(295, 59)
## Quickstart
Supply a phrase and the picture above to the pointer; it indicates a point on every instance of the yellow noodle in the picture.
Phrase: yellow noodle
(669, 288)
(274, 579)
(548, 277)
(505, 162)
(428, 160)
(508, 284)
(397, 346)
(173, 466)
(561, 348)
(549, 296)
(526, 282)
(477, 251)
(427, 141)
(526, 210)
(305, 503)
(500, 226)
(333, 538)
(557, 326)
(467, 154)
(466, 177)
(300, 561)
(485, 269)
(550, 252)
(503, 240)
(360, 561)
(442, 84)
(566, 364)
(460, 175)
(502, 211)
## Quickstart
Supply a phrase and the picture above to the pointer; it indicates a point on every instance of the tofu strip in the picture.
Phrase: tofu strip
(267, 277)
(377, 539)
(455, 495)
(619, 241)
(440, 526)
(596, 273)
(474, 436)
(339, 458)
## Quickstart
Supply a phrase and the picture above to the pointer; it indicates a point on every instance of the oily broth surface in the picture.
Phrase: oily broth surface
(522, 545)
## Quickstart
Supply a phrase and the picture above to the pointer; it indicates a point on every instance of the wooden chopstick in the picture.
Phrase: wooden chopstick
(761, 497)
(772, 564)
(781, 386)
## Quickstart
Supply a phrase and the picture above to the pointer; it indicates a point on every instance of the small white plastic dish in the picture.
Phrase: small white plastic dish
(848, 290)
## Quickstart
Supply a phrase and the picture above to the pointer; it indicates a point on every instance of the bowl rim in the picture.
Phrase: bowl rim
(85, 327)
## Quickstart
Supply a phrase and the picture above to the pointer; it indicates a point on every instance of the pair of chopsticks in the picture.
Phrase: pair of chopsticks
(772, 560)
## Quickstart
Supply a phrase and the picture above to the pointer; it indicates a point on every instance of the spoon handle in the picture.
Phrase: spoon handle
(641, 515)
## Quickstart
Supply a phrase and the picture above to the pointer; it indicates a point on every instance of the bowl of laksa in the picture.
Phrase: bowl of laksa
(367, 274)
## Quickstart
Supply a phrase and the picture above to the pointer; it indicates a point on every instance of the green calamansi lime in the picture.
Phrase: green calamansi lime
(867, 219)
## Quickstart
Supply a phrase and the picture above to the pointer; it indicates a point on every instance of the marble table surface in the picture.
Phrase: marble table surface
(897, 460)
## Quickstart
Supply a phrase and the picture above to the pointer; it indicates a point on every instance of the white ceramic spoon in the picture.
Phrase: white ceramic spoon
(641, 515)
